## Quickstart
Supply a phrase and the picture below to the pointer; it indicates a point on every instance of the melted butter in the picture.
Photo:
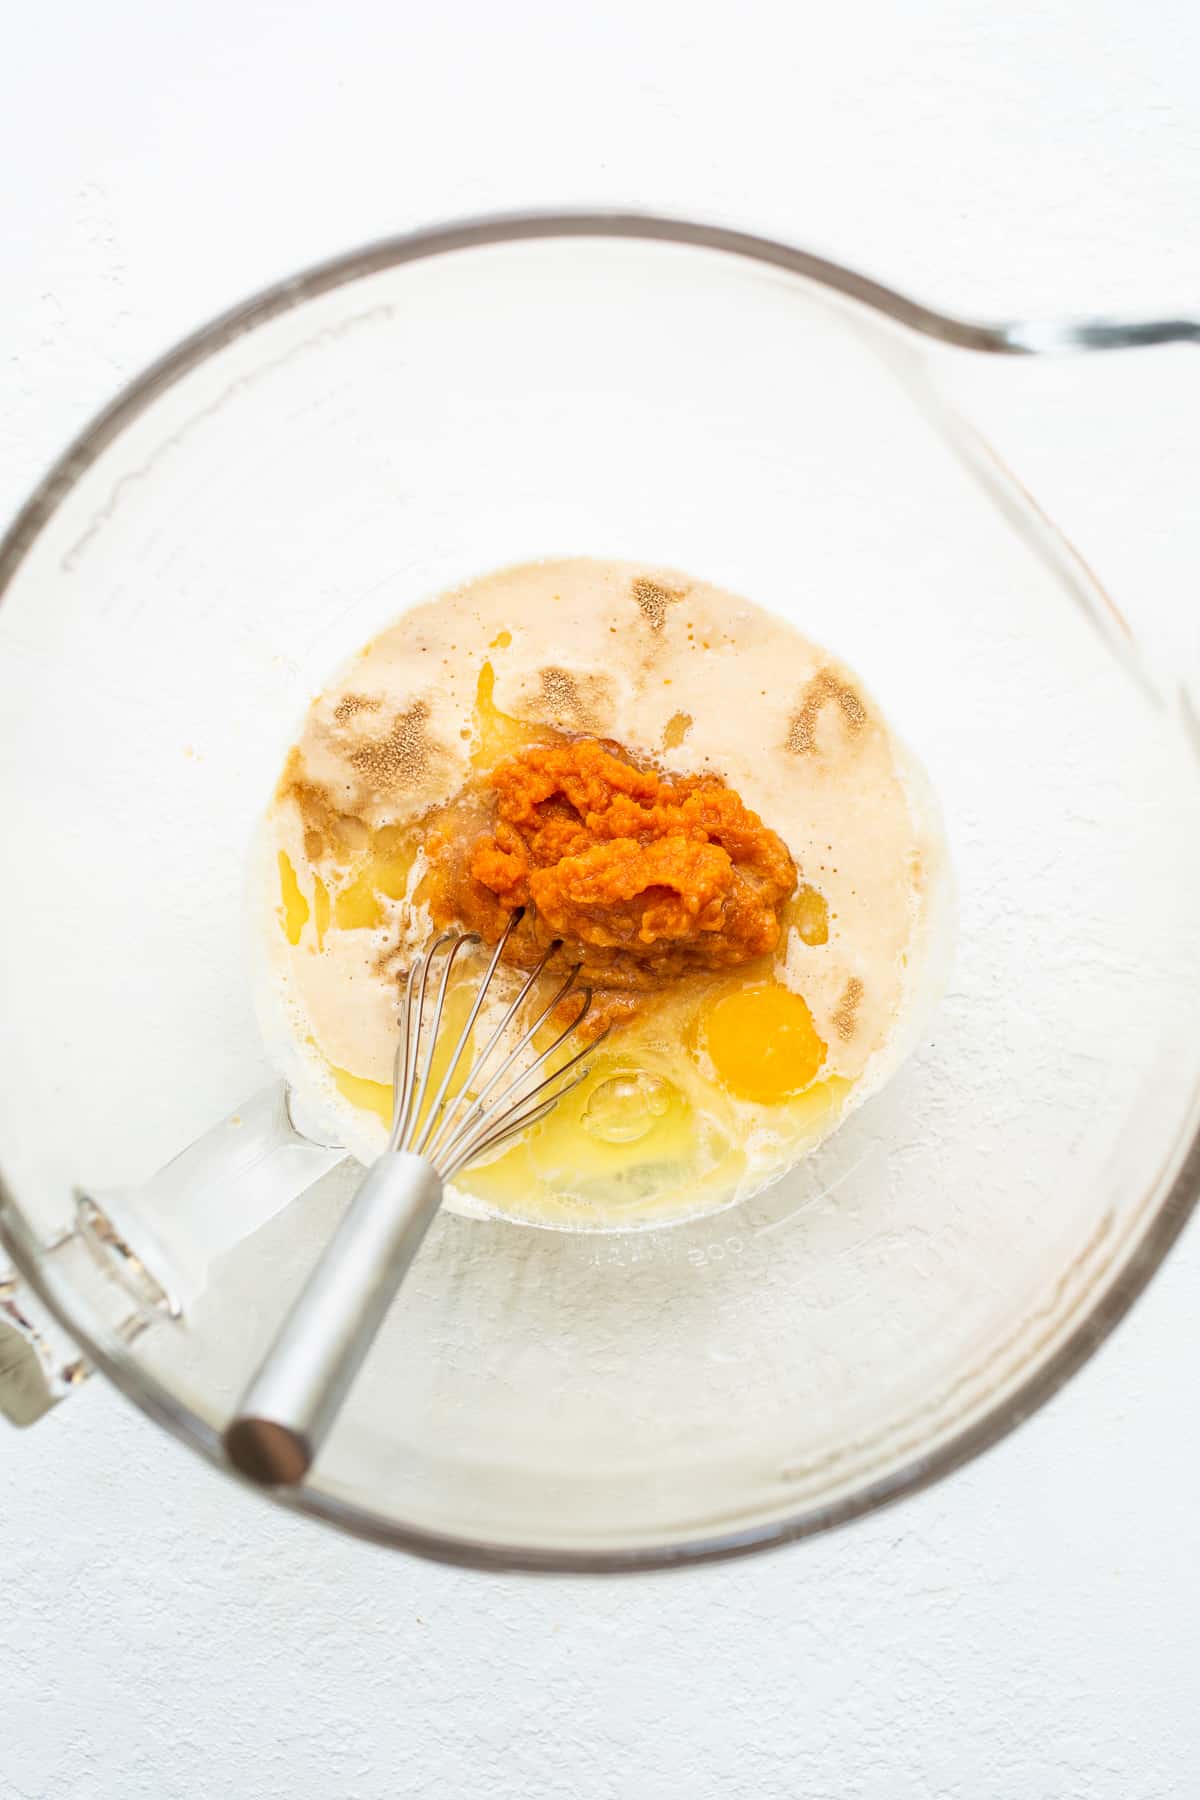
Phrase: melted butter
(321, 911)
(358, 904)
(676, 729)
(382, 875)
(497, 734)
(358, 907)
(294, 912)
(394, 850)
(378, 1097)
(369, 1096)
(807, 913)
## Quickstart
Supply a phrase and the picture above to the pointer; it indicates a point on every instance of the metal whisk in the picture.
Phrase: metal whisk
(289, 1406)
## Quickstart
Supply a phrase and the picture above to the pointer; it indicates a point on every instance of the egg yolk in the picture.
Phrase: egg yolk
(762, 1043)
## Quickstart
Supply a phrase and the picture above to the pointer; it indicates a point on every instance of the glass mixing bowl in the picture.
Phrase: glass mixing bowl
(256, 507)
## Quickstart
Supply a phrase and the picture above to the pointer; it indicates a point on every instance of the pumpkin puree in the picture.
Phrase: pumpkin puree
(642, 878)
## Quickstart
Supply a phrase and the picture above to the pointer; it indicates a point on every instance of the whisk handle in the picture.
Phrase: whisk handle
(289, 1406)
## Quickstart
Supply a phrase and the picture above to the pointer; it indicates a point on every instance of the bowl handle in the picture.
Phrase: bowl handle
(221, 1189)
(157, 1242)
(39, 1364)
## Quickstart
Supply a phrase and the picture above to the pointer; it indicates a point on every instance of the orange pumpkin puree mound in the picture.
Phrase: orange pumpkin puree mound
(643, 878)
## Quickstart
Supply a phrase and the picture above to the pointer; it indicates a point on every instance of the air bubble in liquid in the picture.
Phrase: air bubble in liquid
(627, 1106)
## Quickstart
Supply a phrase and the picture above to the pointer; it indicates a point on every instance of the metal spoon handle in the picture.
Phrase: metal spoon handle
(289, 1406)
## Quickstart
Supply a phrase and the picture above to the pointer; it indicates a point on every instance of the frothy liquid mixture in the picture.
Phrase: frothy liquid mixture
(719, 1078)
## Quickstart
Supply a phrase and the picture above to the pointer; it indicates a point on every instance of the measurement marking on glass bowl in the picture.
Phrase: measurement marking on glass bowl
(811, 1199)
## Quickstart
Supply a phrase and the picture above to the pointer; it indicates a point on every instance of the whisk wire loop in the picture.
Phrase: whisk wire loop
(467, 1112)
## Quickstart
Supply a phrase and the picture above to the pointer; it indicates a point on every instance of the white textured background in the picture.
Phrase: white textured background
(1028, 1631)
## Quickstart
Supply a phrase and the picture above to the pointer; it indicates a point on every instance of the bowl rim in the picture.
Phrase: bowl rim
(112, 1358)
